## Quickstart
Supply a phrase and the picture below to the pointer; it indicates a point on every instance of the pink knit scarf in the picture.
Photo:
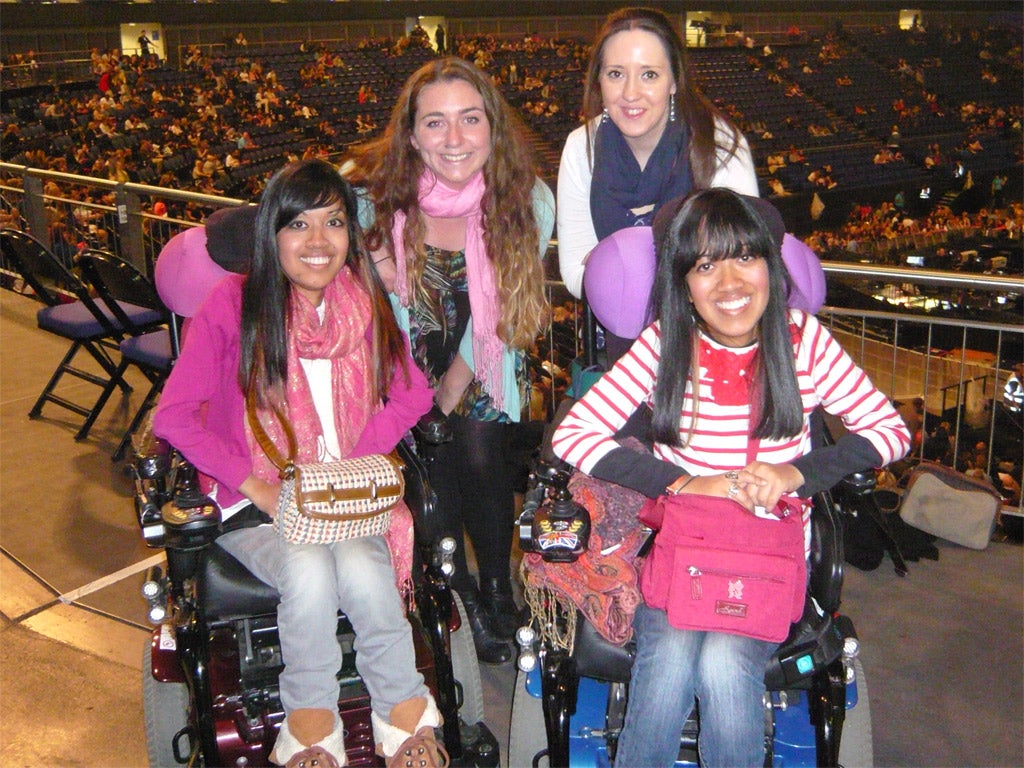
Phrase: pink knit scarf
(442, 202)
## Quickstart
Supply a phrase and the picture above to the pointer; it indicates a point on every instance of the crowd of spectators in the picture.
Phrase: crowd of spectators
(849, 88)
(220, 125)
(872, 230)
(233, 114)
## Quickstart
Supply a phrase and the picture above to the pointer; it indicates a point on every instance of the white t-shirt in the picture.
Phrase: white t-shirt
(318, 374)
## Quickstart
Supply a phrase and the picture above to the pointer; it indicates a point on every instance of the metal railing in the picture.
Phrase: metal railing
(71, 212)
(958, 368)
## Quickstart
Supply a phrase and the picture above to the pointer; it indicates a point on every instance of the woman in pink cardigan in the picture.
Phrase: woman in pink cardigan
(311, 331)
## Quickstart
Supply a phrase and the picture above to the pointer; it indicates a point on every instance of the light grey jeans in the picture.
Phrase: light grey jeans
(315, 581)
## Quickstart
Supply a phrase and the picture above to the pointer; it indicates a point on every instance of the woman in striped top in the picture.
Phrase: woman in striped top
(729, 373)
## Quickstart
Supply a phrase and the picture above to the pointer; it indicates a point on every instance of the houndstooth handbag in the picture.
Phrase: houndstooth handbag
(324, 502)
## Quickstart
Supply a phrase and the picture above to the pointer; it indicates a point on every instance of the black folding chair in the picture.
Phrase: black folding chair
(72, 314)
(121, 286)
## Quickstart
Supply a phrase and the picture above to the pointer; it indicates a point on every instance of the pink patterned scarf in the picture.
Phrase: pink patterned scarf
(439, 201)
(342, 339)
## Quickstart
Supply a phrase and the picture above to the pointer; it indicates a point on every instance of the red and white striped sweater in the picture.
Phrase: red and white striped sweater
(718, 442)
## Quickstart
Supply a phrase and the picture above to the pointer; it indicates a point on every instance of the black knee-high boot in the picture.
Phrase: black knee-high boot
(490, 649)
(458, 499)
(497, 599)
(489, 517)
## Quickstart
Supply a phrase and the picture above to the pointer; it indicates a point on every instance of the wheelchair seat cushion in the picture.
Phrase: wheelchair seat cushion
(596, 657)
(228, 591)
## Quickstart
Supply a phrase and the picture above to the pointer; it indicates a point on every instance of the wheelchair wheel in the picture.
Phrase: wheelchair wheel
(466, 669)
(855, 748)
(526, 733)
(165, 709)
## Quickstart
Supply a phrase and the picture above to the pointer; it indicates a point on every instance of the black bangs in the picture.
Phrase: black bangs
(724, 229)
(311, 185)
(723, 240)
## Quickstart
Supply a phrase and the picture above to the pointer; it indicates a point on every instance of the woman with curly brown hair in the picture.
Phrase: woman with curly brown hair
(458, 226)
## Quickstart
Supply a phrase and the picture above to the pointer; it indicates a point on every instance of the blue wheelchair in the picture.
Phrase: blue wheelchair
(569, 703)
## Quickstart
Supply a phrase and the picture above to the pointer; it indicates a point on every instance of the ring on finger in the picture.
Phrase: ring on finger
(732, 475)
(733, 490)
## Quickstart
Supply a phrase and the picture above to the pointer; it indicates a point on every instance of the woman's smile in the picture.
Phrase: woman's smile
(733, 305)
(729, 296)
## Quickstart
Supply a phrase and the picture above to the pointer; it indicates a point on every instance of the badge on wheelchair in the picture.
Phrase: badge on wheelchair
(552, 524)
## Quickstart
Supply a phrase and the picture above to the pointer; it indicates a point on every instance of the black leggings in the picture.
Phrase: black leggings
(474, 481)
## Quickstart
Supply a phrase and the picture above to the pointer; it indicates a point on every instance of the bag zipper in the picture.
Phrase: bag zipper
(697, 589)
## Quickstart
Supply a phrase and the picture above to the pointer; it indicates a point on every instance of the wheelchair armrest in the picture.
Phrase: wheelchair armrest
(859, 483)
(813, 643)
(825, 583)
(419, 496)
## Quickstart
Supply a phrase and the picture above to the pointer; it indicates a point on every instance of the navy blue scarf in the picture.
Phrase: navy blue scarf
(619, 186)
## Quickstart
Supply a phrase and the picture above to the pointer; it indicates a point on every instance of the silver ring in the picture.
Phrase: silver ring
(733, 490)
(733, 475)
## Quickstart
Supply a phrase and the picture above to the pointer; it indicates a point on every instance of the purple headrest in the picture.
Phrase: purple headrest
(618, 279)
(620, 273)
(806, 277)
(185, 273)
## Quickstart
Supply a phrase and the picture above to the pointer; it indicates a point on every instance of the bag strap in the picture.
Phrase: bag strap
(285, 465)
(787, 504)
(753, 446)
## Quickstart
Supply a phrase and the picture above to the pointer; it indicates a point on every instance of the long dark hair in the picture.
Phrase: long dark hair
(721, 224)
(266, 294)
(699, 115)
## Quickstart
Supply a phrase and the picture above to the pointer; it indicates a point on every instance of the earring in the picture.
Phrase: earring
(604, 115)
(671, 110)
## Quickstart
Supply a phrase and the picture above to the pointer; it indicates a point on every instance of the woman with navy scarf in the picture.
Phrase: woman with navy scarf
(649, 136)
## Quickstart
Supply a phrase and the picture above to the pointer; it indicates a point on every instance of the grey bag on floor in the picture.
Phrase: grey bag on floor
(951, 505)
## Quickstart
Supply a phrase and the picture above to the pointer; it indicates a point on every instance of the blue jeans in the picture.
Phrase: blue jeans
(315, 581)
(672, 667)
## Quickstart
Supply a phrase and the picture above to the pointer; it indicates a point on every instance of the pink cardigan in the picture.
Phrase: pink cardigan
(202, 407)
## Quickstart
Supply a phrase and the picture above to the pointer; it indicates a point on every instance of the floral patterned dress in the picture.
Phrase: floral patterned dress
(439, 315)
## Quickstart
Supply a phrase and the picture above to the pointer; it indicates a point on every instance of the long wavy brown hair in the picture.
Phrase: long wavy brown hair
(389, 168)
(696, 111)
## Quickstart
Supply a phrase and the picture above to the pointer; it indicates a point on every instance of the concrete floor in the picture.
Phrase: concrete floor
(942, 647)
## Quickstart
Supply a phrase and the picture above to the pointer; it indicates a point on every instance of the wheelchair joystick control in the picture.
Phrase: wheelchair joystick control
(190, 518)
(557, 528)
(191, 523)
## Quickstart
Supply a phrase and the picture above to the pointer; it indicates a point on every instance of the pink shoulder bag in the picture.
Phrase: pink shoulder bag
(716, 567)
